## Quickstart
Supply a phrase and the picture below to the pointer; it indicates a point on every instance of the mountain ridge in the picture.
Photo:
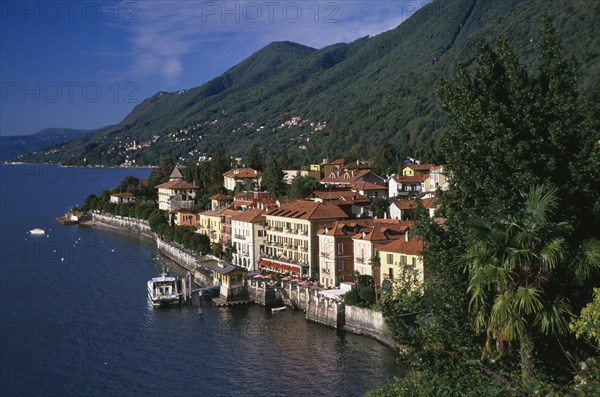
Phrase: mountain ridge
(373, 91)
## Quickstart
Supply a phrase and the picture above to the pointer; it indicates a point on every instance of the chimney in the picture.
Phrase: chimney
(406, 237)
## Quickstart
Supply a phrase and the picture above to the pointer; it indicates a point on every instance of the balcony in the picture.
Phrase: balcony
(326, 271)
(359, 260)
(303, 249)
(325, 254)
(239, 236)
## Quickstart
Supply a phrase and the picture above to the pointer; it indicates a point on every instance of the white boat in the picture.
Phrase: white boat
(277, 309)
(162, 290)
(37, 231)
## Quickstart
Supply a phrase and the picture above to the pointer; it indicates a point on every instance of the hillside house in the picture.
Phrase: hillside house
(244, 176)
(176, 193)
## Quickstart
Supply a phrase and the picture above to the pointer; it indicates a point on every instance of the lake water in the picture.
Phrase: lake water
(76, 321)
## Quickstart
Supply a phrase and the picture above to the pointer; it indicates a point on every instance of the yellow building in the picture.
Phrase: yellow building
(402, 262)
(231, 279)
(209, 224)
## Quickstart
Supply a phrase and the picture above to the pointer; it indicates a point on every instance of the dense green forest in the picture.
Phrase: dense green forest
(511, 299)
(376, 92)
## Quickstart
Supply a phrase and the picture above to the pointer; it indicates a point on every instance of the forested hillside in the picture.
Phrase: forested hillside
(374, 92)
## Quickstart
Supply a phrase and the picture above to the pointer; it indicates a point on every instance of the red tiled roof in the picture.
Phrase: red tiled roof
(367, 186)
(411, 204)
(242, 173)
(174, 185)
(251, 216)
(420, 167)
(414, 246)
(308, 209)
(126, 194)
(220, 197)
(410, 179)
(337, 228)
(384, 229)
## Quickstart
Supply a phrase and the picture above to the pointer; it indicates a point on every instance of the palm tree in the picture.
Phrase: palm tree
(511, 258)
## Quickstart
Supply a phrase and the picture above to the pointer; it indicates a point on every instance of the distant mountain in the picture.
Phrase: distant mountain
(374, 91)
(12, 146)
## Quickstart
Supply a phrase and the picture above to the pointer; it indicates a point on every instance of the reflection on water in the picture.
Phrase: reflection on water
(84, 325)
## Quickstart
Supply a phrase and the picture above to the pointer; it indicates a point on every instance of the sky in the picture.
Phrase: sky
(87, 64)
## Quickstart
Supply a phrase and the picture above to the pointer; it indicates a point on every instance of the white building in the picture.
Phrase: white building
(248, 237)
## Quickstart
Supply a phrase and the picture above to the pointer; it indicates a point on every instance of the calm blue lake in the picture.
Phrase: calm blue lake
(75, 318)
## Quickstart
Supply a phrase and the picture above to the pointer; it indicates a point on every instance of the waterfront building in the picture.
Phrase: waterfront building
(402, 262)
(209, 224)
(370, 239)
(292, 242)
(176, 193)
(336, 250)
(226, 215)
(249, 237)
(244, 176)
(231, 279)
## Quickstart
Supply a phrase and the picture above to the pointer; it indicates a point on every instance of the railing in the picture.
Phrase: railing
(325, 254)
(359, 260)
(240, 236)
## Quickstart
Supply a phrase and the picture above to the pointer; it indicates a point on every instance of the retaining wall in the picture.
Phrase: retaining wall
(368, 322)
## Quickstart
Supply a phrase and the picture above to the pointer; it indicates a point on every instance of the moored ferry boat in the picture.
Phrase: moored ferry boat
(163, 290)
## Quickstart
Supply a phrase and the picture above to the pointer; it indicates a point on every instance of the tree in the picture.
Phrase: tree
(284, 159)
(302, 186)
(162, 172)
(511, 261)
(378, 207)
(272, 179)
(129, 184)
(527, 129)
(588, 323)
(508, 129)
(254, 159)
(385, 160)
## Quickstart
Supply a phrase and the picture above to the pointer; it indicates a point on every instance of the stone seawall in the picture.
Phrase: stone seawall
(137, 226)
(171, 250)
(177, 254)
(368, 322)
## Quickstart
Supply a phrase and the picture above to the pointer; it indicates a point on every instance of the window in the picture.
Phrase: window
(391, 273)
(403, 260)
(340, 248)
(390, 258)
(341, 266)
(414, 262)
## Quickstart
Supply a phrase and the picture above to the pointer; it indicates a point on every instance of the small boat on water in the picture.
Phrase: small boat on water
(277, 309)
(37, 231)
(163, 290)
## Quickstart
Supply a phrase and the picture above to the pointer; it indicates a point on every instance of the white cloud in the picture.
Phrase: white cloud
(166, 31)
